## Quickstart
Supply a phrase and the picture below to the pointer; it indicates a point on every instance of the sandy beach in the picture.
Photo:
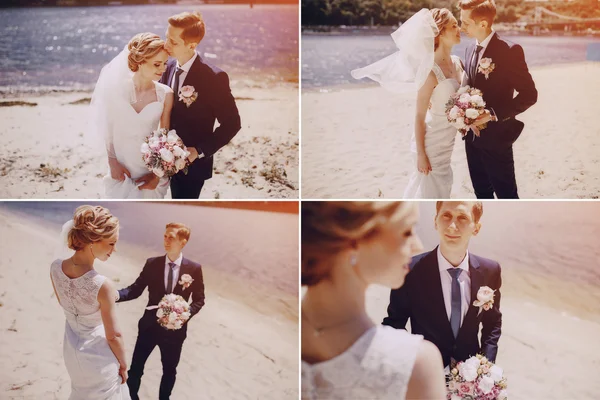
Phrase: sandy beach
(242, 345)
(46, 154)
(355, 141)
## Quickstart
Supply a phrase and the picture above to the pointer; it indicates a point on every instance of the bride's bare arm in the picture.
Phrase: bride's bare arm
(423, 99)
(165, 118)
(427, 378)
(106, 298)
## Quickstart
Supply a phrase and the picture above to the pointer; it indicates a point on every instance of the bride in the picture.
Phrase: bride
(424, 64)
(127, 105)
(93, 349)
(346, 246)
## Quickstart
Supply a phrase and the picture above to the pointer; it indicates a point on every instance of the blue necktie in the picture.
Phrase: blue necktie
(456, 312)
(170, 278)
(178, 72)
(474, 64)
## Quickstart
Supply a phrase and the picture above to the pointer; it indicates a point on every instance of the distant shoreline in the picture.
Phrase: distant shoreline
(286, 207)
(180, 3)
(333, 30)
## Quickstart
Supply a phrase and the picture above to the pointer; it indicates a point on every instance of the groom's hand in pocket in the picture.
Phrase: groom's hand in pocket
(148, 182)
(117, 170)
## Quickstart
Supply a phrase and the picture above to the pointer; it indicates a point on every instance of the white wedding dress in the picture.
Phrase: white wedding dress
(439, 142)
(128, 132)
(377, 366)
(92, 366)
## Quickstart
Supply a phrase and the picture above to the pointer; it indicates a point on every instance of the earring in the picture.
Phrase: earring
(353, 260)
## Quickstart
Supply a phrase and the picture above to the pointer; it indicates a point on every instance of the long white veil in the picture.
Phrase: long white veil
(113, 91)
(407, 69)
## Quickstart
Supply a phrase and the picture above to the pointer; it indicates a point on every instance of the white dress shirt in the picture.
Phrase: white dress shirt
(175, 271)
(186, 68)
(464, 280)
(485, 44)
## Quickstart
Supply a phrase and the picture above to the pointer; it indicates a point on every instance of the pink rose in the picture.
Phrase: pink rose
(187, 91)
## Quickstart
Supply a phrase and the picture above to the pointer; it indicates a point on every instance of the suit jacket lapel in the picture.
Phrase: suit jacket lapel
(486, 53)
(172, 69)
(193, 69)
(469, 63)
(183, 269)
(437, 295)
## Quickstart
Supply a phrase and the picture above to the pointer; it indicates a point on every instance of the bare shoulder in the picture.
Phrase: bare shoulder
(107, 290)
(428, 357)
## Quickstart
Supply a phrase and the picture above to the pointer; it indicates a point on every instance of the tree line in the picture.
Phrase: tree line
(393, 12)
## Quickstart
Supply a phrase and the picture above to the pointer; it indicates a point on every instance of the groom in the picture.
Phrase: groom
(497, 68)
(202, 96)
(163, 275)
(443, 284)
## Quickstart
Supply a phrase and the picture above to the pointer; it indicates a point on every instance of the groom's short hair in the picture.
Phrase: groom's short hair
(477, 209)
(192, 25)
(480, 9)
(183, 231)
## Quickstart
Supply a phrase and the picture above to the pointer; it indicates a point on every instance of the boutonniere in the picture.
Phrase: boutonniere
(485, 299)
(186, 280)
(188, 95)
(486, 66)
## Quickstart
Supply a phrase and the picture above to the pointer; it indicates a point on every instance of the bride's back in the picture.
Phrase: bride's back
(78, 296)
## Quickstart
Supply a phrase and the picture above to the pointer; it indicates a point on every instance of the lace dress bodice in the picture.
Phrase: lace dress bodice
(445, 88)
(377, 366)
(79, 296)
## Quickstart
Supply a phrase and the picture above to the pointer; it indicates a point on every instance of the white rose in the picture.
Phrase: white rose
(157, 133)
(486, 384)
(153, 141)
(477, 100)
(459, 123)
(178, 151)
(166, 155)
(172, 136)
(484, 294)
(454, 112)
(503, 395)
(472, 113)
(455, 397)
(145, 148)
(160, 313)
(178, 324)
(185, 315)
(473, 362)
(485, 63)
(496, 373)
(468, 372)
(464, 98)
(158, 172)
(172, 317)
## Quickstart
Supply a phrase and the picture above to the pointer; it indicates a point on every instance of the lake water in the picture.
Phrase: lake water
(65, 48)
(328, 59)
(256, 246)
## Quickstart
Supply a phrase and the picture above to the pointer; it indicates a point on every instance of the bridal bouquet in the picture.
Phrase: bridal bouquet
(173, 311)
(464, 107)
(164, 153)
(476, 379)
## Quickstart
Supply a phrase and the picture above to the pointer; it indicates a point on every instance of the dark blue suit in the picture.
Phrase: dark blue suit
(196, 124)
(421, 300)
(490, 156)
(150, 333)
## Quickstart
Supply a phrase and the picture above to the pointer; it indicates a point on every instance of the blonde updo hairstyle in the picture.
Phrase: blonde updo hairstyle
(91, 224)
(441, 16)
(143, 47)
(331, 227)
